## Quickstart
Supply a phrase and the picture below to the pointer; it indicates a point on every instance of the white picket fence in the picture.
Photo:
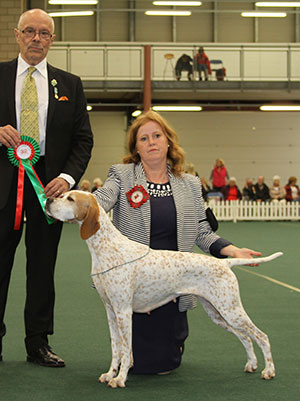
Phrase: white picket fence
(247, 210)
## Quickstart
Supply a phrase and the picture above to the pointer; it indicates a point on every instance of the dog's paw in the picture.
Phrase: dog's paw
(116, 382)
(268, 373)
(105, 378)
(250, 367)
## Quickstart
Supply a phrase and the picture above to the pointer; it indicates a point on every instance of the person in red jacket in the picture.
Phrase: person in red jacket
(219, 175)
(231, 191)
(202, 64)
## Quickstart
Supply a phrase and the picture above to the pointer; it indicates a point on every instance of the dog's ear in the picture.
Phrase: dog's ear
(90, 223)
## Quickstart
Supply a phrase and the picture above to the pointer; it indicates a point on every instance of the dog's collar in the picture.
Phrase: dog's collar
(122, 264)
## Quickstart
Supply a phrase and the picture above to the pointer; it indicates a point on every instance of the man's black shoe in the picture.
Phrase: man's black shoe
(44, 356)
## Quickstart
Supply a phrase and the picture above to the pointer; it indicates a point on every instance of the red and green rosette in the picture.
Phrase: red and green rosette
(137, 196)
(24, 157)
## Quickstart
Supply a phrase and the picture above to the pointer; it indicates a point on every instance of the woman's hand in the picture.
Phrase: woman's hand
(243, 253)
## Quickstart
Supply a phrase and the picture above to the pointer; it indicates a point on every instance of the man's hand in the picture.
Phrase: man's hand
(9, 136)
(56, 187)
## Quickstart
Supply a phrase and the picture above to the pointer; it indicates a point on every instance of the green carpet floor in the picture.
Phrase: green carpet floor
(213, 361)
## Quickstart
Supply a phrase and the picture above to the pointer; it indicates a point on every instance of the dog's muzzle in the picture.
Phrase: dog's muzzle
(47, 205)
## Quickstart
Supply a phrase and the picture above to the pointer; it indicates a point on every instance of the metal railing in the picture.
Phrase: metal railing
(124, 61)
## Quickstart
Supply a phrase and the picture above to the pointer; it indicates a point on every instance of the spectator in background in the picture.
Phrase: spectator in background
(184, 63)
(85, 185)
(249, 190)
(219, 175)
(190, 169)
(202, 64)
(292, 190)
(97, 183)
(277, 192)
(231, 191)
(262, 193)
(205, 188)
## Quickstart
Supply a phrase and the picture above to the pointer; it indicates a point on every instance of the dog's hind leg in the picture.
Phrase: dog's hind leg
(241, 325)
(115, 346)
(241, 322)
(215, 316)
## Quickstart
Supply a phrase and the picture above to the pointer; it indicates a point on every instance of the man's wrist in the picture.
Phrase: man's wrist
(68, 178)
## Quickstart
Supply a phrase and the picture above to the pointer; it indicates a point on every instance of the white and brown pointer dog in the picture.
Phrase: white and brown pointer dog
(131, 277)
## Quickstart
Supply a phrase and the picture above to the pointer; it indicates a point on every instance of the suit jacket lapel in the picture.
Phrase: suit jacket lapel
(11, 91)
(52, 100)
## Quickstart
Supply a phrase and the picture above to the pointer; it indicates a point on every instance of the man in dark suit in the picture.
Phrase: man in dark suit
(66, 141)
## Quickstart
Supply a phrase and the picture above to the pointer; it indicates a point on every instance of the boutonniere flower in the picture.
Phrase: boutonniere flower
(54, 83)
(137, 196)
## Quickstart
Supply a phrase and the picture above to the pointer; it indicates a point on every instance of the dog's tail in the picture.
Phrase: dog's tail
(240, 261)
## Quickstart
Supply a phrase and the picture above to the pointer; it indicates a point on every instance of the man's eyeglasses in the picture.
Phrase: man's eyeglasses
(30, 33)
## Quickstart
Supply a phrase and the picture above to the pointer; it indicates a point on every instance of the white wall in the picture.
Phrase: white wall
(251, 143)
(109, 142)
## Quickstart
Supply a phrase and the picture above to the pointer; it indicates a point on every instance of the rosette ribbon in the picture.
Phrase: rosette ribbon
(137, 196)
(24, 157)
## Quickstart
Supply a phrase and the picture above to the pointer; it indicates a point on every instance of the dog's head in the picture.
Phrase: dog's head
(79, 206)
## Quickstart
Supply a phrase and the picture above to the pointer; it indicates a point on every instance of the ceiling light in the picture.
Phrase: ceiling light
(136, 113)
(73, 2)
(71, 13)
(177, 3)
(280, 108)
(278, 4)
(89, 108)
(262, 14)
(169, 12)
(177, 108)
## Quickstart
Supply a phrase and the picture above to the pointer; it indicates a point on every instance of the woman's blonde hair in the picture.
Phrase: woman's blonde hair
(175, 154)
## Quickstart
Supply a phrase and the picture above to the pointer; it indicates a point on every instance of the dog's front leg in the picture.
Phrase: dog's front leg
(124, 321)
(115, 346)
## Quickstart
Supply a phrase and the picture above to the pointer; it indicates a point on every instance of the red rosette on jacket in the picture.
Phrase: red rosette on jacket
(137, 196)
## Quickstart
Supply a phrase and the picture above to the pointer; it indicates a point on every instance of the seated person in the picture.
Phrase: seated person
(85, 185)
(184, 63)
(292, 190)
(205, 188)
(262, 193)
(202, 64)
(277, 192)
(231, 191)
(190, 169)
(249, 190)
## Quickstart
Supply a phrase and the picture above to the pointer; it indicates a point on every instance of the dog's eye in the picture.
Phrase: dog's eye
(69, 198)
